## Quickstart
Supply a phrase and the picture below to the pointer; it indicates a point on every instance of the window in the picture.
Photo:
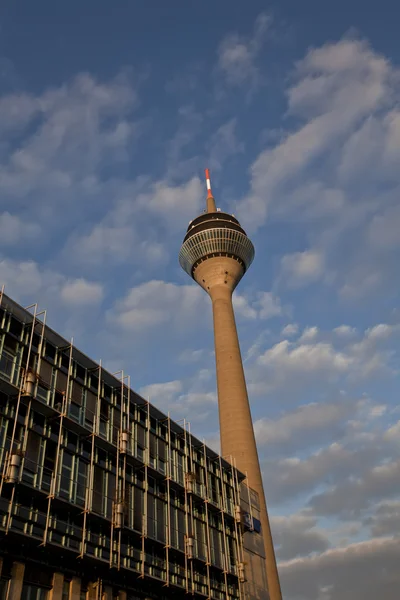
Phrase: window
(66, 474)
(65, 591)
(31, 457)
(50, 351)
(15, 327)
(33, 592)
(6, 364)
(94, 382)
(80, 478)
(65, 361)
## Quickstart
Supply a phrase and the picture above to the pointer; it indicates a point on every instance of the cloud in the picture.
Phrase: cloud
(393, 433)
(297, 535)
(27, 281)
(175, 204)
(13, 228)
(109, 244)
(155, 303)
(224, 144)
(182, 399)
(289, 330)
(345, 331)
(130, 231)
(357, 493)
(262, 305)
(309, 334)
(237, 55)
(386, 519)
(161, 394)
(81, 292)
(383, 229)
(302, 268)
(322, 356)
(319, 357)
(364, 570)
(72, 130)
(335, 171)
(308, 424)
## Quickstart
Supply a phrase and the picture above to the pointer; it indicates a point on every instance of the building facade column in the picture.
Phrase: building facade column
(17, 581)
(56, 591)
(75, 589)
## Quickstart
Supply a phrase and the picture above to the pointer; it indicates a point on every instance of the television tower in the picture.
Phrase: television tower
(216, 252)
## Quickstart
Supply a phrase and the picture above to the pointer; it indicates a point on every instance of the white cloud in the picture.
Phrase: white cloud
(262, 305)
(243, 308)
(345, 331)
(289, 330)
(327, 356)
(224, 144)
(182, 399)
(302, 268)
(337, 170)
(237, 55)
(14, 228)
(393, 433)
(381, 331)
(161, 394)
(81, 292)
(27, 282)
(73, 129)
(310, 421)
(113, 244)
(320, 357)
(175, 204)
(309, 334)
(154, 303)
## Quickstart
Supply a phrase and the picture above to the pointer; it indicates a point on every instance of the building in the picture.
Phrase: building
(102, 496)
(216, 253)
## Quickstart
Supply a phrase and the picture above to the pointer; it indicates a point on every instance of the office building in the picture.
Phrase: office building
(102, 496)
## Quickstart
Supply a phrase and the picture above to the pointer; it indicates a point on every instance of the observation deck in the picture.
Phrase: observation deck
(215, 234)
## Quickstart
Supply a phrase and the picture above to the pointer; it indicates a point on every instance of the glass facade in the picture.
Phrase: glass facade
(93, 473)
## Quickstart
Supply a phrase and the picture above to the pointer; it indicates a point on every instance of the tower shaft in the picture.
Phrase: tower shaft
(216, 252)
(219, 276)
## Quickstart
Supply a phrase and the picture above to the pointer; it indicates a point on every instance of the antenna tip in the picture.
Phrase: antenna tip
(208, 183)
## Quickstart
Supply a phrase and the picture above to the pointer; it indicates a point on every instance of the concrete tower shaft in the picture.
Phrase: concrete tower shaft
(216, 252)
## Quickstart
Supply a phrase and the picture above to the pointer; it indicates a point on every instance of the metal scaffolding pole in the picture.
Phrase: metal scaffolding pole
(238, 530)
(24, 387)
(145, 502)
(90, 478)
(64, 411)
(20, 390)
(224, 507)
(168, 479)
(190, 507)
(208, 563)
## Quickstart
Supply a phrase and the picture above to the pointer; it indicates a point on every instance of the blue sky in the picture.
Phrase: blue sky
(108, 115)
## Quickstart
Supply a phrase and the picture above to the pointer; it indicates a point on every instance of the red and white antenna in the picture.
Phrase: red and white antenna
(208, 182)
(210, 198)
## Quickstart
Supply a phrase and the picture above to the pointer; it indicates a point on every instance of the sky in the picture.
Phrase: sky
(109, 113)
